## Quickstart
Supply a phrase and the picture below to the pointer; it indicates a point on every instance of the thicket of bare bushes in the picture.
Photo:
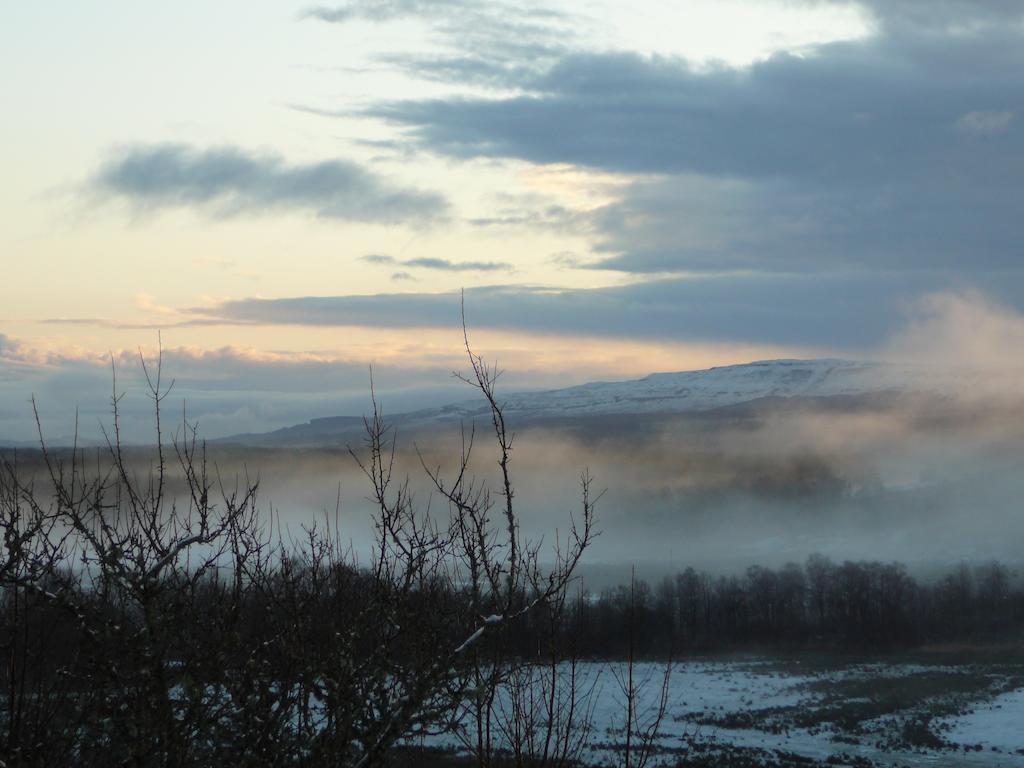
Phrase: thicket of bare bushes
(141, 627)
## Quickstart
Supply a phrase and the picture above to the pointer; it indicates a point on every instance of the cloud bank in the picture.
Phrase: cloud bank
(899, 150)
(855, 313)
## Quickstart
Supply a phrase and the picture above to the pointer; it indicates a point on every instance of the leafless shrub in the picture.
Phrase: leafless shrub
(184, 628)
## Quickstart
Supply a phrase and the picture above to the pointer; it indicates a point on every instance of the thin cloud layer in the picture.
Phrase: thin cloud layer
(383, 10)
(444, 265)
(484, 43)
(850, 313)
(228, 181)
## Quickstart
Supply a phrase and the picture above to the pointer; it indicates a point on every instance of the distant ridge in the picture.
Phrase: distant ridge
(723, 387)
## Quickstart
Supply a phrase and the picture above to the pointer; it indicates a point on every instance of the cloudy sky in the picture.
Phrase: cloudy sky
(290, 192)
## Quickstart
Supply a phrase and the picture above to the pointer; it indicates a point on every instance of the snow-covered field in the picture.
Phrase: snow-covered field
(793, 712)
(996, 724)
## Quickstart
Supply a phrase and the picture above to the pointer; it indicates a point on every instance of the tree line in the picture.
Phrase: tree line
(823, 604)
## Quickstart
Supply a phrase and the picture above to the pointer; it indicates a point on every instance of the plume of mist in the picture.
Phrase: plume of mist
(966, 329)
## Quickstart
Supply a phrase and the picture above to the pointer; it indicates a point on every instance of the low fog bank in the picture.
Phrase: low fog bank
(921, 480)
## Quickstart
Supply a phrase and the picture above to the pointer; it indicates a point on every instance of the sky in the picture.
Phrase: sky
(282, 195)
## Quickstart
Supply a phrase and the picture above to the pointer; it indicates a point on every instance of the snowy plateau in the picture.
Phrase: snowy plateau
(711, 391)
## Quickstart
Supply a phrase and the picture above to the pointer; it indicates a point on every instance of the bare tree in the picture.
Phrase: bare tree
(640, 729)
(187, 628)
(501, 570)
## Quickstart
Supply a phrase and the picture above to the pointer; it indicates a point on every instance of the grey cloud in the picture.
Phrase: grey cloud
(384, 10)
(501, 27)
(854, 112)
(836, 311)
(439, 264)
(485, 71)
(530, 20)
(554, 217)
(687, 223)
(487, 43)
(229, 181)
(900, 150)
(457, 266)
(941, 14)
(106, 322)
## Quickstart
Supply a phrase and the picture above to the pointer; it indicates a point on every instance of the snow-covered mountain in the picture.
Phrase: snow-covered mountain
(682, 392)
(720, 387)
